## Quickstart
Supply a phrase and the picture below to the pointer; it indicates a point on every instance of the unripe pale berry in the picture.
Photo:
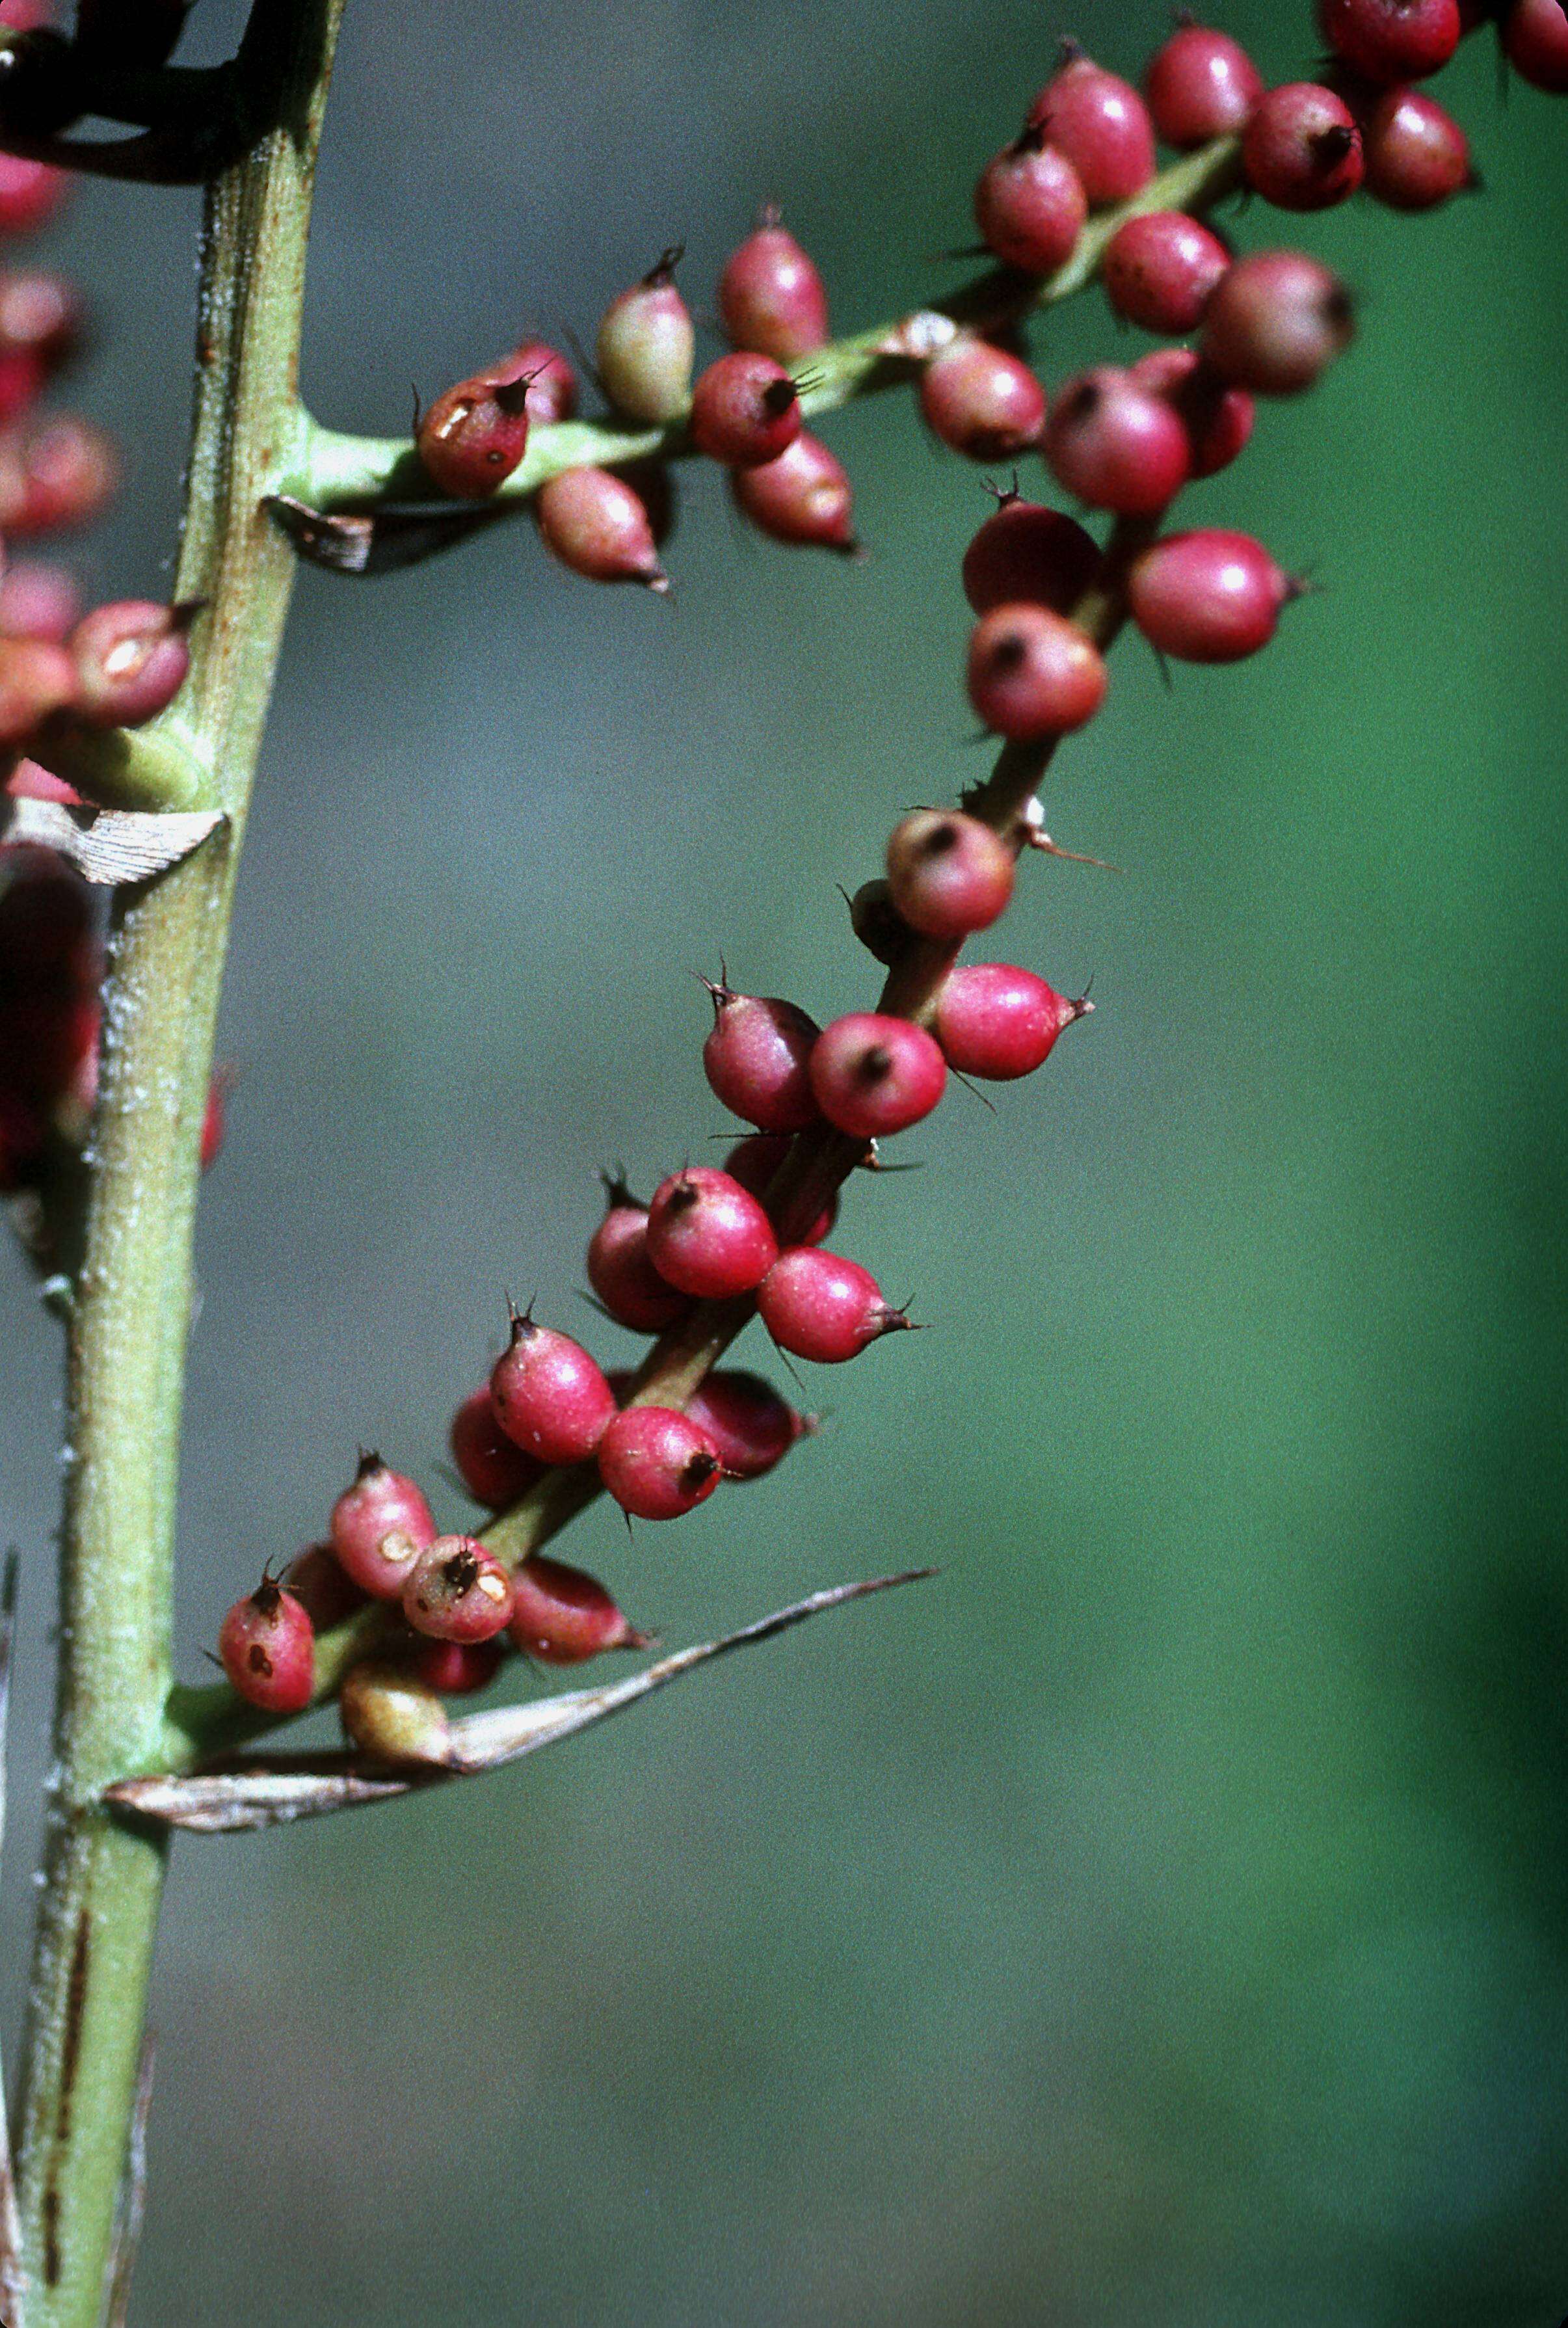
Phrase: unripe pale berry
(804, 497)
(495, 1471)
(1029, 205)
(999, 1022)
(323, 1587)
(755, 1059)
(1033, 674)
(1391, 39)
(645, 346)
(1160, 269)
(1102, 125)
(595, 523)
(771, 297)
(1026, 551)
(657, 1463)
(620, 1271)
(1417, 155)
(389, 1712)
(1200, 85)
(378, 1528)
(267, 1646)
(752, 1427)
(1535, 43)
(34, 680)
(61, 472)
(754, 1160)
(1115, 445)
(41, 314)
(981, 402)
(456, 1668)
(949, 874)
(473, 436)
(746, 409)
(550, 382)
(562, 1616)
(1301, 148)
(30, 193)
(708, 1235)
(1207, 597)
(131, 658)
(549, 1395)
(39, 602)
(818, 1305)
(874, 1075)
(1218, 418)
(1277, 322)
(457, 1592)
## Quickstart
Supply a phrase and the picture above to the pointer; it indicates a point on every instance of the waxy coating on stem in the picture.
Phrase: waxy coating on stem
(746, 409)
(474, 435)
(131, 658)
(983, 401)
(1277, 322)
(804, 497)
(1033, 674)
(755, 1058)
(457, 1592)
(754, 1160)
(1301, 149)
(820, 1306)
(1535, 43)
(378, 1528)
(1160, 269)
(563, 1616)
(1029, 205)
(1201, 84)
(1116, 446)
(1391, 39)
(1208, 596)
(645, 347)
(752, 1427)
(267, 1646)
(391, 1715)
(948, 874)
(1217, 418)
(492, 1468)
(620, 1271)
(875, 1074)
(657, 1462)
(771, 298)
(1101, 124)
(1026, 551)
(597, 527)
(708, 1235)
(1417, 155)
(999, 1022)
(549, 1395)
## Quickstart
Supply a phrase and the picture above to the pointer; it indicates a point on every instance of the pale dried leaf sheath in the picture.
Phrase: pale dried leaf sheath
(111, 845)
(273, 1790)
(133, 2197)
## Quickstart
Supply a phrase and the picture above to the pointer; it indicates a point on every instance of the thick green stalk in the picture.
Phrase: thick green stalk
(132, 1300)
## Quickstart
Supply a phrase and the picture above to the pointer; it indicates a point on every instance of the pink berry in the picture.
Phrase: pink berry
(804, 497)
(596, 526)
(34, 680)
(1277, 322)
(755, 1059)
(1029, 205)
(550, 382)
(1208, 597)
(752, 1161)
(28, 781)
(549, 1396)
(323, 1587)
(61, 472)
(1534, 41)
(818, 1305)
(1033, 674)
(645, 346)
(1029, 552)
(456, 1668)
(131, 658)
(771, 297)
(708, 1235)
(378, 1528)
(215, 1117)
(1391, 39)
(999, 1022)
(657, 1463)
(473, 436)
(619, 1269)
(949, 874)
(1160, 269)
(874, 1075)
(562, 1616)
(457, 1592)
(41, 314)
(746, 409)
(39, 602)
(1417, 155)
(267, 1647)
(30, 193)
(1102, 125)
(981, 402)
(494, 1471)
(751, 1426)
(1301, 148)
(1218, 418)
(1115, 445)
(1200, 85)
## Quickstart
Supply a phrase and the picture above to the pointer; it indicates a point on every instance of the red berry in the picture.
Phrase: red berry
(708, 1235)
(1391, 39)
(34, 680)
(39, 602)
(598, 525)
(21, 380)
(746, 409)
(1102, 125)
(457, 1592)
(1029, 552)
(323, 1587)
(1417, 155)
(473, 436)
(61, 472)
(267, 1647)
(803, 497)
(41, 314)
(456, 1668)
(1200, 85)
(1301, 148)
(1277, 322)
(619, 1269)
(1033, 674)
(657, 1463)
(549, 1396)
(981, 402)
(30, 193)
(645, 347)
(755, 1059)
(752, 1427)
(949, 874)
(771, 297)
(1029, 205)
(1535, 43)
(874, 1075)
(1115, 445)
(550, 382)
(214, 1119)
(562, 1616)
(1208, 597)
(818, 1305)
(131, 658)
(752, 1161)
(494, 1471)
(378, 1528)
(1218, 419)
(1160, 268)
(999, 1022)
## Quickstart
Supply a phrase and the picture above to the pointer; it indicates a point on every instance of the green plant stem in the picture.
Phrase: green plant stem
(131, 1307)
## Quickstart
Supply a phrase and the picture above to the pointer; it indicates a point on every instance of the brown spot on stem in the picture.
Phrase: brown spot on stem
(75, 2009)
(52, 2237)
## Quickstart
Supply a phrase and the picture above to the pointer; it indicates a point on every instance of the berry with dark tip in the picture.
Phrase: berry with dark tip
(1277, 322)
(1417, 155)
(949, 874)
(755, 1059)
(752, 1427)
(1207, 597)
(267, 1646)
(1029, 205)
(378, 1528)
(1115, 445)
(645, 346)
(1033, 674)
(131, 660)
(746, 409)
(1301, 148)
(818, 1305)
(621, 1271)
(1160, 269)
(657, 1463)
(999, 1022)
(874, 1075)
(550, 382)
(1391, 39)
(474, 435)
(457, 1592)
(1102, 125)
(708, 1235)
(804, 497)
(562, 1616)
(771, 297)
(549, 1395)
(495, 1471)
(1026, 551)
(597, 527)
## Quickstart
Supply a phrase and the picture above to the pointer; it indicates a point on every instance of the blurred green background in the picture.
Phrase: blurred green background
(1164, 1916)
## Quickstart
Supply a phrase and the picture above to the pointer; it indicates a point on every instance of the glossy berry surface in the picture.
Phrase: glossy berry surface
(597, 527)
(563, 1616)
(457, 1592)
(1033, 674)
(1160, 269)
(755, 1058)
(473, 436)
(999, 1022)
(1417, 155)
(818, 1305)
(874, 1075)
(1201, 84)
(745, 410)
(1115, 445)
(983, 401)
(1277, 322)
(267, 1646)
(1028, 552)
(1207, 597)
(456, 1668)
(550, 379)
(949, 874)
(752, 1161)
(491, 1467)
(804, 498)
(621, 1273)
(752, 1427)
(549, 1395)
(771, 298)
(1029, 205)
(378, 1528)
(708, 1235)
(1217, 418)
(1102, 125)
(1535, 43)
(1301, 149)
(131, 660)
(645, 346)
(1391, 39)
(657, 1463)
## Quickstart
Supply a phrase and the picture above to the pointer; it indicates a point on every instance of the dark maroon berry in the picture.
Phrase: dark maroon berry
(1277, 322)
(708, 1235)
(1029, 553)
(999, 1022)
(598, 525)
(657, 1463)
(1102, 125)
(473, 436)
(1115, 445)
(267, 1646)
(1029, 205)
(981, 402)
(1534, 41)
(804, 497)
(1160, 268)
(1218, 418)
(1208, 597)
(1200, 85)
(456, 1668)
(380, 1527)
(562, 1616)
(549, 1396)
(752, 1161)
(1391, 39)
(874, 1075)
(457, 1592)
(645, 347)
(752, 1427)
(1417, 155)
(1301, 148)
(619, 1269)
(746, 409)
(771, 297)
(495, 1471)
(1033, 674)
(949, 874)
(323, 1588)
(817, 1305)
(131, 660)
